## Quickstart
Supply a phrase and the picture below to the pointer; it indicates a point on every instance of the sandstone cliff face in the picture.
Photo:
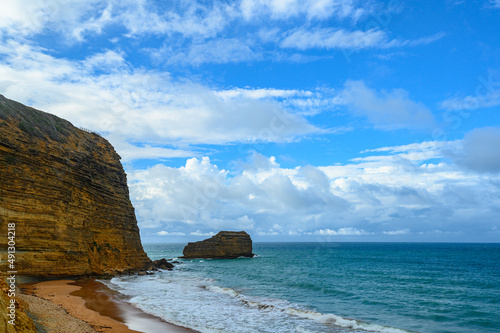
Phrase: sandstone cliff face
(66, 191)
(224, 245)
(23, 323)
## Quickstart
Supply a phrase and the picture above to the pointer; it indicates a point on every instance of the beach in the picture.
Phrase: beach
(86, 306)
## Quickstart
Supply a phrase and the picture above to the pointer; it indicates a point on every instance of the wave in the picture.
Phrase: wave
(324, 318)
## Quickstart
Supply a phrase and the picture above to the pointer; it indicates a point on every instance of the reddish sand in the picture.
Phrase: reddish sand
(94, 303)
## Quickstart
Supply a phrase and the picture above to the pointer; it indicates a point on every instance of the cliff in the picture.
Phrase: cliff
(13, 312)
(66, 192)
(224, 245)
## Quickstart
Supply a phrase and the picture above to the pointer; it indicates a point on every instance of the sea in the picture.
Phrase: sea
(326, 287)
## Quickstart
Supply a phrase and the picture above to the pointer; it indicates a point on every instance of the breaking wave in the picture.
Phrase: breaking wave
(329, 319)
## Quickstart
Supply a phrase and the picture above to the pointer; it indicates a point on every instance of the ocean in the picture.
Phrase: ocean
(326, 287)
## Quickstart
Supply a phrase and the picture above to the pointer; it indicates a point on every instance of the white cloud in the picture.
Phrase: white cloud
(271, 233)
(386, 110)
(186, 18)
(132, 105)
(304, 102)
(167, 233)
(397, 232)
(199, 233)
(263, 93)
(486, 94)
(312, 9)
(130, 152)
(490, 99)
(329, 38)
(108, 60)
(196, 33)
(26, 17)
(75, 19)
(379, 191)
(415, 42)
(217, 51)
(396, 192)
(340, 232)
(202, 195)
(414, 152)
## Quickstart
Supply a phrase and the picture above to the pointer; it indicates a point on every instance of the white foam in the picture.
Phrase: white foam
(299, 329)
(199, 303)
(226, 291)
(343, 322)
(312, 315)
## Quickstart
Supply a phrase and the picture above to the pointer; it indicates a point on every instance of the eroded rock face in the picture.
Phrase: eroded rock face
(66, 192)
(13, 312)
(224, 245)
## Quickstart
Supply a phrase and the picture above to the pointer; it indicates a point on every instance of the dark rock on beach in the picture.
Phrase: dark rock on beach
(162, 264)
(224, 245)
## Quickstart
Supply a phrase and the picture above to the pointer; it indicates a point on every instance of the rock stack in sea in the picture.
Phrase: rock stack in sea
(224, 245)
(66, 192)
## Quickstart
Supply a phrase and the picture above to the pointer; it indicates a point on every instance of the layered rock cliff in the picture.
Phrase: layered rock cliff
(224, 245)
(13, 310)
(66, 192)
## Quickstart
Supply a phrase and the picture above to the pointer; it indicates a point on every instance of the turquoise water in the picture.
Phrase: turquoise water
(328, 287)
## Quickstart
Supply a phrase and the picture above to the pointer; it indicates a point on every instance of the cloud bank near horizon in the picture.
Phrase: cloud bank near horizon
(398, 194)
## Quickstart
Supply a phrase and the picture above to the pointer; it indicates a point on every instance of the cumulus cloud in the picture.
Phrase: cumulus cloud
(479, 150)
(386, 110)
(397, 192)
(202, 195)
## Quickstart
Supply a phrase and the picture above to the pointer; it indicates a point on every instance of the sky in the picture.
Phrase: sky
(294, 120)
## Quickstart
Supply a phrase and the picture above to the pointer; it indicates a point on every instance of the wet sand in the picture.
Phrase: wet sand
(94, 303)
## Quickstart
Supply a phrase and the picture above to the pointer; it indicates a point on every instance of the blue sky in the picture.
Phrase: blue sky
(313, 120)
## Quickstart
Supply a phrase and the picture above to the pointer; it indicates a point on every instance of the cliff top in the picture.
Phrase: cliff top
(34, 122)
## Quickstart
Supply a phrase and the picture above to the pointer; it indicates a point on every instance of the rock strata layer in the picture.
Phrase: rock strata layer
(224, 245)
(66, 192)
(13, 312)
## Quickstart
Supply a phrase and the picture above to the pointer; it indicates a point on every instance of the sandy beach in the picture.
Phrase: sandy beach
(86, 306)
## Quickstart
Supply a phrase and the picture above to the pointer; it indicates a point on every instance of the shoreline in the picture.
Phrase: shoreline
(93, 303)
